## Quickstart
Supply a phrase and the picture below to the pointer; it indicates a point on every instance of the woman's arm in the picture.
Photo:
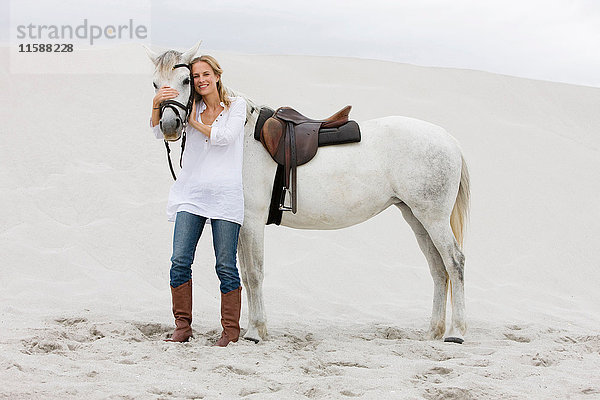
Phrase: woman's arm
(155, 117)
(164, 93)
(204, 129)
(224, 134)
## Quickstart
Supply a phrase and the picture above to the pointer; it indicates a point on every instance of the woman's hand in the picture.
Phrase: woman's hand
(203, 129)
(164, 93)
(192, 116)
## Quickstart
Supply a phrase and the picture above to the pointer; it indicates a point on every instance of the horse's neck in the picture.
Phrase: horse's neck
(252, 146)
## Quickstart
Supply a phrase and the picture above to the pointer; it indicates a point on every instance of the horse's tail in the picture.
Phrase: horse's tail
(460, 212)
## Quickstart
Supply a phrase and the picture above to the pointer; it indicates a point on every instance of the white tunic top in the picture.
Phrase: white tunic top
(210, 182)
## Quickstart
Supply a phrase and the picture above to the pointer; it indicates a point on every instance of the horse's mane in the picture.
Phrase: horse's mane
(236, 93)
(251, 107)
(166, 61)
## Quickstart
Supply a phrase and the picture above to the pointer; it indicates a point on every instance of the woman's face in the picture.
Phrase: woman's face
(205, 80)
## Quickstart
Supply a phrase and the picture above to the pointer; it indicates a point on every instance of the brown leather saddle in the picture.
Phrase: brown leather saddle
(292, 140)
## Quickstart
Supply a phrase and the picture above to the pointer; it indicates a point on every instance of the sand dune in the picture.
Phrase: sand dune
(85, 246)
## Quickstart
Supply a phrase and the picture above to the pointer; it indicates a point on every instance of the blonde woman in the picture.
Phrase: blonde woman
(209, 188)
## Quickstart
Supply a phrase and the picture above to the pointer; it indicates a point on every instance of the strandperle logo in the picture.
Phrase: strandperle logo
(84, 31)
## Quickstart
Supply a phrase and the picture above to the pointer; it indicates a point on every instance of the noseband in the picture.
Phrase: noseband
(175, 106)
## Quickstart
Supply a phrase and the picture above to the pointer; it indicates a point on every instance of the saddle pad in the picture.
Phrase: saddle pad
(265, 114)
(347, 133)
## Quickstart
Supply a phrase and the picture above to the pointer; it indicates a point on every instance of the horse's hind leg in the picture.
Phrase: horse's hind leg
(251, 256)
(437, 269)
(441, 234)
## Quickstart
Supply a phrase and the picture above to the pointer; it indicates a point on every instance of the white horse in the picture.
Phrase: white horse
(411, 164)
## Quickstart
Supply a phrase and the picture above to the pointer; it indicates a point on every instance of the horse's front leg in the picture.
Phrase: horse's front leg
(251, 255)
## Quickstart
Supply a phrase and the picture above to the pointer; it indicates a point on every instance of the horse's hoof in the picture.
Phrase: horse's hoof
(453, 339)
(252, 339)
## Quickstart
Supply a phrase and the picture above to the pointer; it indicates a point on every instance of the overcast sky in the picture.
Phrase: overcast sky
(556, 40)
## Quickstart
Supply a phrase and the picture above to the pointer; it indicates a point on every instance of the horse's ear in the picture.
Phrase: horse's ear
(191, 53)
(152, 55)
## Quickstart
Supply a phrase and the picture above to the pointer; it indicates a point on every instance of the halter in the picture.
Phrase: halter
(173, 105)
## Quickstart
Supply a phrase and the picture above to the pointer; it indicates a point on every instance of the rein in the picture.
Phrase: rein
(175, 105)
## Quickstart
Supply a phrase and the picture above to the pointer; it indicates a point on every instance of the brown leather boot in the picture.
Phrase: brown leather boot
(231, 305)
(182, 311)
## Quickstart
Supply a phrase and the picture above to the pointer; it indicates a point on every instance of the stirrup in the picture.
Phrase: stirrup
(282, 206)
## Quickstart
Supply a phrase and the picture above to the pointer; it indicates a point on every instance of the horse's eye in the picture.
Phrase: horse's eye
(186, 81)
(154, 84)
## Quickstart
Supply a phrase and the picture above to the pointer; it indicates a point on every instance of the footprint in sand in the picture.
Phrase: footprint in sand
(153, 330)
(228, 369)
(542, 361)
(517, 338)
(37, 346)
(448, 393)
(433, 374)
(345, 364)
(349, 393)
(70, 321)
(590, 391)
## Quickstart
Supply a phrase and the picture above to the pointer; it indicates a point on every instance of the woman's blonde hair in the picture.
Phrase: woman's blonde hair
(214, 64)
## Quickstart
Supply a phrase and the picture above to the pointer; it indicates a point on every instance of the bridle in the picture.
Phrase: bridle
(175, 106)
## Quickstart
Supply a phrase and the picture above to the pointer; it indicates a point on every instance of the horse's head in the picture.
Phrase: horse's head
(172, 69)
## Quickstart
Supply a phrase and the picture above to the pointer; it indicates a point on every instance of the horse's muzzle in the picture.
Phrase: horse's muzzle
(171, 132)
(172, 138)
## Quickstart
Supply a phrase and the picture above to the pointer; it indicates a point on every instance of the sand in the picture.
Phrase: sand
(85, 244)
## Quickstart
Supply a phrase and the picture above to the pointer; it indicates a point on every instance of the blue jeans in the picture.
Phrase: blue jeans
(188, 228)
